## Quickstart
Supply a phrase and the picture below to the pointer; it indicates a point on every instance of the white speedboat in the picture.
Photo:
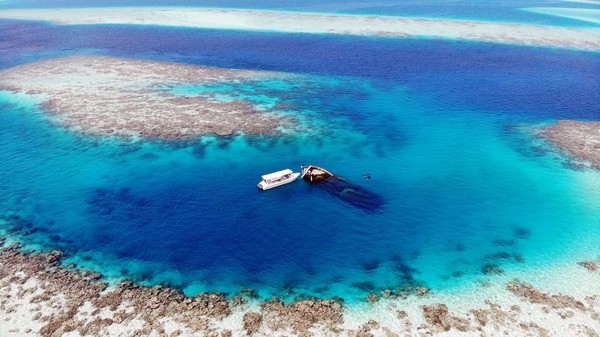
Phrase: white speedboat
(278, 178)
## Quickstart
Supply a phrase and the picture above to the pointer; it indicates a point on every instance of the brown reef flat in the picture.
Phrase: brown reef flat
(39, 297)
(61, 301)
(579, 140)
(107, 96)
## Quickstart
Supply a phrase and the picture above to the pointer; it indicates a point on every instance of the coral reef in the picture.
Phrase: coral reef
(579, 140)
(252, 322)
(82, 303)
(589, 265)
(53, 301)
(302, 315)
(535, 296)
(439, 317)
(107, 96)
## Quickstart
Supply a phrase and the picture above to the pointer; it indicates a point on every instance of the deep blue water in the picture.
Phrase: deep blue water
(440, 127)
(526, 83)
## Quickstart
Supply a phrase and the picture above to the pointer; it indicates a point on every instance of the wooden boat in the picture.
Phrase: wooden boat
(314, 173)
(276, 179)
(342, 189)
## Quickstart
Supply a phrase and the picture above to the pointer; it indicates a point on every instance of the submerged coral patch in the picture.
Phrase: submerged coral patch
(107, 96)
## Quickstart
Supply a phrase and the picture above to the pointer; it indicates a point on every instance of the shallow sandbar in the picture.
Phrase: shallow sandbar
(315, 23)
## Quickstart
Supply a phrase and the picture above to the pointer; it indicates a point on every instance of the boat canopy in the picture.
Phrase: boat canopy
(276, 175)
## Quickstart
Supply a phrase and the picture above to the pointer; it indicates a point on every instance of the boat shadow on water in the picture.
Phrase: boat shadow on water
(342, 189)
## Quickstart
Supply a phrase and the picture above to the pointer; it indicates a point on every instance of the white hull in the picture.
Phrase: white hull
(267, 186)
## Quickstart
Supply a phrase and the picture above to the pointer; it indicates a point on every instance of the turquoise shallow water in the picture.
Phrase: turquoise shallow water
(441, 127)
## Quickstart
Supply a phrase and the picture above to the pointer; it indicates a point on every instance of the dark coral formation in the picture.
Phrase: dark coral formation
(492, 269)
(556, 301)
(589, 265)
(252, 322)
(302, 315)
(372, 298)
(521, 233)
(439, 317)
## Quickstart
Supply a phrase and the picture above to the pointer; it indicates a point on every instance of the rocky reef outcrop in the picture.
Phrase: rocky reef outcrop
(579, 140)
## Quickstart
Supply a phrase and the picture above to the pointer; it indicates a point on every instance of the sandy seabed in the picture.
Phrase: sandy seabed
(314, 23)
(108, 96)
